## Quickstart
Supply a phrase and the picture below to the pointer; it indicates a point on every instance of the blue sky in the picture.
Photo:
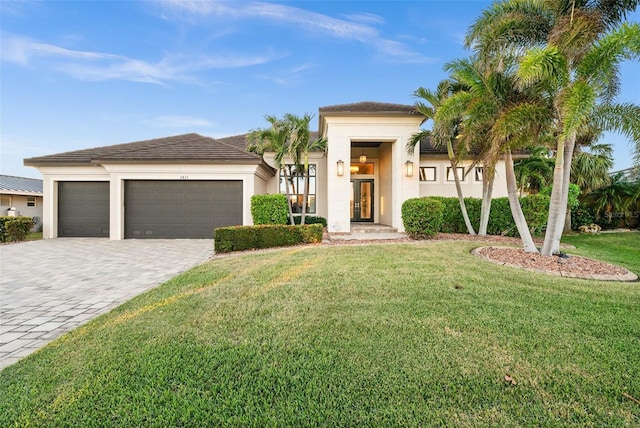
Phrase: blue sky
(80, 74)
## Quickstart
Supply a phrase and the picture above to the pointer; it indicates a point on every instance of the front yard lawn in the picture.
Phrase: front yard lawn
(377, 335)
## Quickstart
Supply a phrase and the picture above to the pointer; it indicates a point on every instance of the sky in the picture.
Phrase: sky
(81, 74)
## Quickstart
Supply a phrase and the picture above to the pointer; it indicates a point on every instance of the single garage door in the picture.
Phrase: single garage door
(83, 209)
(180, 209)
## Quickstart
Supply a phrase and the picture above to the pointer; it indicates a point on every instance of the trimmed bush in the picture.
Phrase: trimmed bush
(15, 229)
(240, 238)
(422, 217)
(311, 219)
(269, 209)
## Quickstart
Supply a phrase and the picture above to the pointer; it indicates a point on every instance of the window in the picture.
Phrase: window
(5, 200)
(361, 168)
(31, 201)
(450, 176)
(427, 173)
(479, 172)
(296, 183)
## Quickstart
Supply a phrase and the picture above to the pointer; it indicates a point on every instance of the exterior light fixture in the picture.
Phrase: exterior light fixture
(363, 158)
(408, 168)
(340, 165)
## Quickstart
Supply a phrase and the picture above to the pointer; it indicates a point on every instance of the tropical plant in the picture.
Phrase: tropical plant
(590, 167)
(569, 52)
(428, 105)
(274, 139)
(301, 146)
(534, 171)
(615, 200)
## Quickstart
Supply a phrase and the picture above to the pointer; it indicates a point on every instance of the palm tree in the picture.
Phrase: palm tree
(497, 117)
(590, 167)
(570, 52)
(428, 106)
(301, 146)
(535, 171)
(615, 199)
(274, 139)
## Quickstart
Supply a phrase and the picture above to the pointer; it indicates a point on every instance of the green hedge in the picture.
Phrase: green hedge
(15, 229)
(534, 207)
(422, 217)
(240, 238)
(269, 209)
(311, 219)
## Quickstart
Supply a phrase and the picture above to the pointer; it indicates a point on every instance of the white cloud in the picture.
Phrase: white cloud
(356, 27)
(97, 66)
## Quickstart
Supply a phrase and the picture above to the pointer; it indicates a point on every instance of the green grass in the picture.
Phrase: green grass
(379, 335)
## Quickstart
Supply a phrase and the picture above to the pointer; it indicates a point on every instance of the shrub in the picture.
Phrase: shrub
(240, 238)
(534, 207)
(311, 219)
(536, 210)
(422, 217)
(269, 209)
(15, 229)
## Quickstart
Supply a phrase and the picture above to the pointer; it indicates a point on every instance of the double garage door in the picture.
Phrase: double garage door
(153, 208)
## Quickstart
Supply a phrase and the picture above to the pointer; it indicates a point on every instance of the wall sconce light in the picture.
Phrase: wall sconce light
(363, 158)
(340, 168)
(408, 168)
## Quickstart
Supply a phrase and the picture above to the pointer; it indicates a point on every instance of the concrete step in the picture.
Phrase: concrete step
(372, 228)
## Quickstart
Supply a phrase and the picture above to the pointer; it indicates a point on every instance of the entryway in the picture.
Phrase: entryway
(362, 198)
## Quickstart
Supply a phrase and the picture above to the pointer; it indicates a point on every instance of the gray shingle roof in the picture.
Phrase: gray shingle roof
(369, 107)
(9, 183)
(190, 148)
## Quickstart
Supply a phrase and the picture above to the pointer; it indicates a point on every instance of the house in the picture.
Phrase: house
(186, 185)
(20, 196)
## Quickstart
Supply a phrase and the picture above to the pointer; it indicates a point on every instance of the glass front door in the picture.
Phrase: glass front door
(361, 200)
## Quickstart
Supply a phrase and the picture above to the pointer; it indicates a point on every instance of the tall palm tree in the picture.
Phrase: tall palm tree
(301, 146)
(274, 139)
(570, 52)
(428, 105)
(497, 117)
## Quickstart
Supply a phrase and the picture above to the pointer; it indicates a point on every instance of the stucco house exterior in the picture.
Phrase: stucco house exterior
(21, 196)
(184, 186)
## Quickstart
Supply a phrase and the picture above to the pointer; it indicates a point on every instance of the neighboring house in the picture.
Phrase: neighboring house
(186, 185)
(629, 174)
(21, 196)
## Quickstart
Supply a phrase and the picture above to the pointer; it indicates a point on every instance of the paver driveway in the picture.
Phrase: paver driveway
(50, 287)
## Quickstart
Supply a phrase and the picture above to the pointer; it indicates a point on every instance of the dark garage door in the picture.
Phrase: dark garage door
(180, 209)
(83, 209)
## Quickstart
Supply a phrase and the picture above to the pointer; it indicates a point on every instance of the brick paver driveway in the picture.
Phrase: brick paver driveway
(50, 287)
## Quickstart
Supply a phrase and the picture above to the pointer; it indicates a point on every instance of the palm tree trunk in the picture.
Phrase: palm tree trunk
(566, 180)
(463, 206)
(305, 195)
(487, 191)
(555, 204)
(286, 189)
(516, 209)
(559, 197)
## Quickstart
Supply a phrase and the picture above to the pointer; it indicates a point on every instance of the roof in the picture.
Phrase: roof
(370, 107)
(20, 185)
(189, 148)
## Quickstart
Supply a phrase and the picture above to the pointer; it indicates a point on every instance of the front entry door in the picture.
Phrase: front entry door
(361, 200)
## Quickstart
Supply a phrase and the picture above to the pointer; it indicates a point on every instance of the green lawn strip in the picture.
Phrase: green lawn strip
(400, 334)
(622, 249)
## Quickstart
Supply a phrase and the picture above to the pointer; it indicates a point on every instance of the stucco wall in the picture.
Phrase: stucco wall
(470, 186)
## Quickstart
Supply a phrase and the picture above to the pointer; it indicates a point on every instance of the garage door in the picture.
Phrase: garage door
(180, 209)
(83, 209)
